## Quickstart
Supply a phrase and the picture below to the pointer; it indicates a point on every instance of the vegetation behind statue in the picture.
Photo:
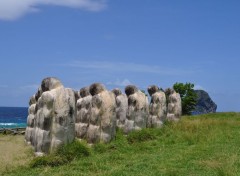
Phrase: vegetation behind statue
(188, 97)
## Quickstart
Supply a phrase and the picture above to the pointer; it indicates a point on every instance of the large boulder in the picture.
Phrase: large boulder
(54, 117)
(157, 107)
(174, 105)
(102, 123)
(84, 104)
(121, 107)
(204, 103)
(137, 112)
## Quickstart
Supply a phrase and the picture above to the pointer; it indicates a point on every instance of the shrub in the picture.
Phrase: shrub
(73, 150)
(63, 155)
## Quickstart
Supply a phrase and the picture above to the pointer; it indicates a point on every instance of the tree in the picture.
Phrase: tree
(188, 97)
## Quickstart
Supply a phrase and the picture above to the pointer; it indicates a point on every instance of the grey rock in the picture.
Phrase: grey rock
(204, 103)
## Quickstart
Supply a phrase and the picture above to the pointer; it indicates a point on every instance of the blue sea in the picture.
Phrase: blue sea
(13, 117)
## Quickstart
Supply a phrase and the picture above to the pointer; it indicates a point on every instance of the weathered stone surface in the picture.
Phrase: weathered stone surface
(204, 103)
(117, 92)
(38, 94)
(84, 92)
(29, 133)
(137, 112)
(153, 89)
(131, 89)
(77, 95)
(83, 113)
(157, 107)
(49, 84)
(54, 116)
(174, 105)
(121, 107)
(96, 88)
(102, 126)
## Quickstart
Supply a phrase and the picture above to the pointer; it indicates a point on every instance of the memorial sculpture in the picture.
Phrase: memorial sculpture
(121, 107)
(83, 106)
(137, 112)
(102, 123)
(57, 115)
(29, 133)
(54, 117)
(174, 105)
(157, 107)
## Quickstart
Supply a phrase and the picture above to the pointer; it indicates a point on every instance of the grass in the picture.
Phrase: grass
(197, 145)
(13, 152)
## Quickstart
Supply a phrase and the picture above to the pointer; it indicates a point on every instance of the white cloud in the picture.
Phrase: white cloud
(128, 67)
(122, 83)
(13, 9)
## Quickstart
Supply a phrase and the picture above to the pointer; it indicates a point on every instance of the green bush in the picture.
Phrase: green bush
(73, 150)
(188, 97)
(63, 155)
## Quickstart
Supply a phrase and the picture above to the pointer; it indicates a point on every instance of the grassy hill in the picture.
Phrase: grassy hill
(197, 145)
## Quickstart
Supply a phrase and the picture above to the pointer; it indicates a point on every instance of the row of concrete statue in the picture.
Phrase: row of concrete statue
(57, 115)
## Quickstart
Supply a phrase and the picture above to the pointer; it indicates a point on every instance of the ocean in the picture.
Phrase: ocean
(13, 117)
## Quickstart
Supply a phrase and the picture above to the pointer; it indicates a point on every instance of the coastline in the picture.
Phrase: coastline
(12, 125)
(13, 131)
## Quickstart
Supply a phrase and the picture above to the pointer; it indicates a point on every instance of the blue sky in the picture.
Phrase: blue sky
(120, 42)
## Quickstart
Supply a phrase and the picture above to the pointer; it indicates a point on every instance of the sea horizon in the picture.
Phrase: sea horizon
(13, 117)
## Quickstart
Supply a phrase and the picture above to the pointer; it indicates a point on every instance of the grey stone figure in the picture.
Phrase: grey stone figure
(121, 107)
(29, 133)
(54, 117)
(84, 104)
(174, 105)
(102, 126)
(157, 107)
(137, 112)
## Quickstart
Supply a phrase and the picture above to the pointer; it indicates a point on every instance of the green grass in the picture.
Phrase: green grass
(197, 145)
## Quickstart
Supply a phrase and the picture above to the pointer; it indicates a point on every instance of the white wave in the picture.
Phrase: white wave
(12, 125)
(8, 124)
